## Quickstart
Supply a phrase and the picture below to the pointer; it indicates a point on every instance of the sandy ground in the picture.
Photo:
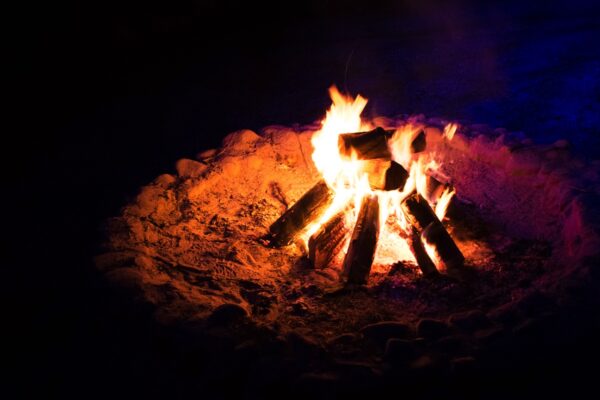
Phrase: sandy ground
(192, 243)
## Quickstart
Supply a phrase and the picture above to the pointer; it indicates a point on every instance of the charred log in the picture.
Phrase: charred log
(375, 170)
(419, 143)
(423, 219)
(435, 188)
(361, 251)
(307, 209)
(383, 174)
(418, 250)
(327, 242)
(366, 145)
(445, 247)
(374, 144)
(395, 177)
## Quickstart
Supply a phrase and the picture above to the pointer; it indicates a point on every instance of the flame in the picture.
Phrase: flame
(450, 130)
(342, 117)
(442, 204)
(350, 183)
(432, 253)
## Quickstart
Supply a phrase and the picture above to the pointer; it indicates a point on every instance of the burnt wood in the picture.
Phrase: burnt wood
(435, 188)
(419, 143)
(376, 170)
(422, 217)
(445, 247)
(366, 145)
(361, 250)
(307, 209)
(418, 250)
(328, 240)
(383, 174)
(395, 177)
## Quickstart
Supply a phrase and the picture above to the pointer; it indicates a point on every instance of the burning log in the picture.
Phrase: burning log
(361, 251)
(418, 250)
(436, 235)
(435, 188)
(384, 174)
(366, 145)
(374, 144)
(419, 143)
(423, 219)
(395, 177)
(328, 240)
(310, 206)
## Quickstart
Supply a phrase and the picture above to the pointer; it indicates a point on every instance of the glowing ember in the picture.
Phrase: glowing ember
(349, 180)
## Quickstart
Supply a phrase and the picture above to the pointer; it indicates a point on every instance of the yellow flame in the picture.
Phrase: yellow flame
(399, 144)
(450, 130)
(342, 117)
(444, 201)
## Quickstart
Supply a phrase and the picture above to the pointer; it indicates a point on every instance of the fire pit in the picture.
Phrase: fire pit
(366, 184)
(328, 238)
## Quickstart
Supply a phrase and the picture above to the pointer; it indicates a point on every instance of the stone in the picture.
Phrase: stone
(350, 370)
(227, 314)
(490, 336)
(301, 345)
(187, 168)
(431, 328)
(424, 363)
(380, 332)
(247, 352)
(536, 303)
(344, 339)
(450, 344)
(164, 180)
(207, 154)
(242, 140)
(463, 365)
(470, 321)
(318, 385)
(529, 330)
(507, 314)
(399, 351)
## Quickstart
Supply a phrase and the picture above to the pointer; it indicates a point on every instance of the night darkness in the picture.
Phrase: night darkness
(110, 94)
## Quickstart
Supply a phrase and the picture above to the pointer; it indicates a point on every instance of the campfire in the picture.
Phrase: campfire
(379, 192)
(379, 203)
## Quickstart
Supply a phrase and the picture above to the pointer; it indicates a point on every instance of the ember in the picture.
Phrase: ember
(369, 169)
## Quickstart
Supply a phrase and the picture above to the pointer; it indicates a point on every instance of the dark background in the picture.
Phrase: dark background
(110, 94)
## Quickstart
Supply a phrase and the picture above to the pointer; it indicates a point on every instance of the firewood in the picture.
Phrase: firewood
(365, 145)
(383, 174)
(422, 217)
(419, 143)
(328, 240)
(444, 245)
(435, 188)
(307, 209)
(395, 177)
(376, 170)
(418, 250)
(361, 251)
(374, 144)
